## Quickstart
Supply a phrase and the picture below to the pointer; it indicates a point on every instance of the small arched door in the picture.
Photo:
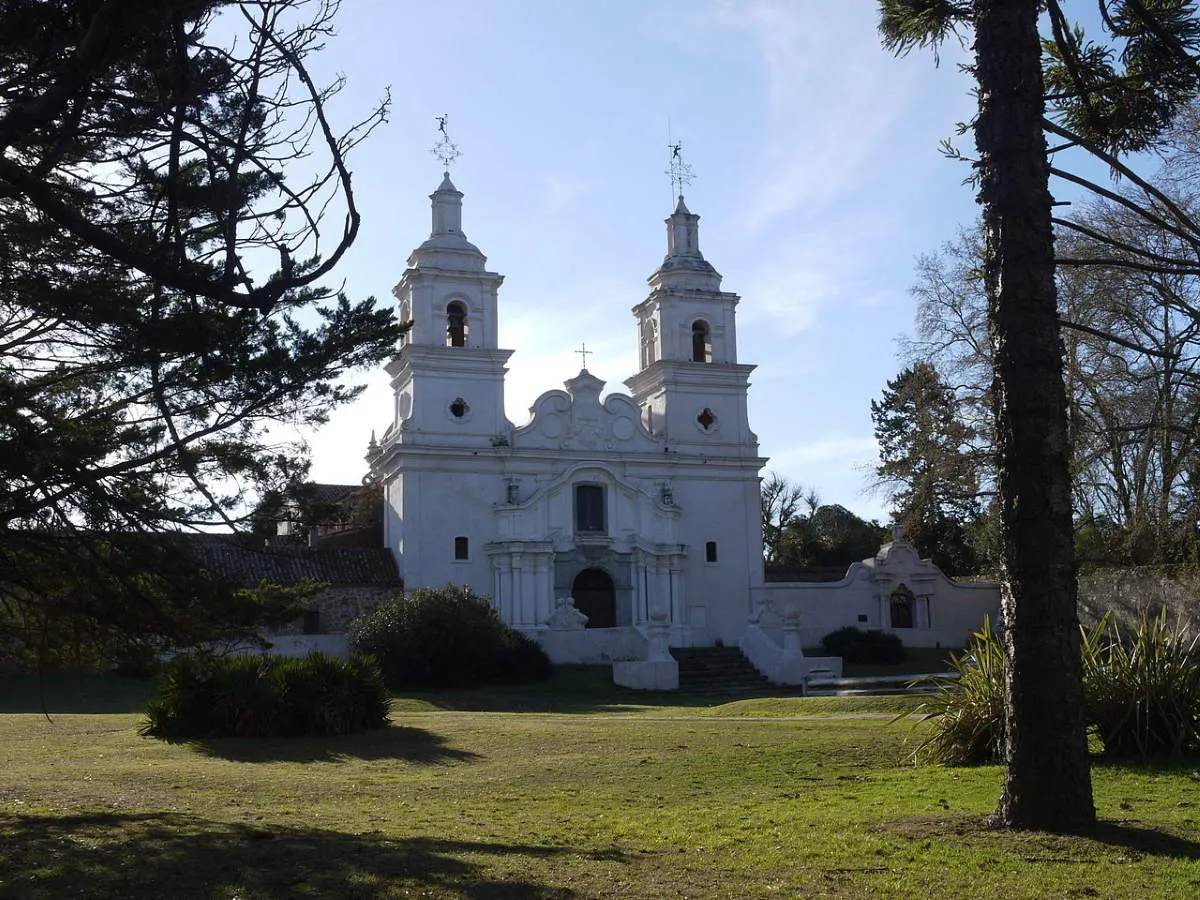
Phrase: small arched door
(596, 597)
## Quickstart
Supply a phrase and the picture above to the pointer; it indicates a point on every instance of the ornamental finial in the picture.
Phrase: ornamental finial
(678, 170)
(445, 149)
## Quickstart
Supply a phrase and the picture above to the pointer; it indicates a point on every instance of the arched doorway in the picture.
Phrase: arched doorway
(596, 597)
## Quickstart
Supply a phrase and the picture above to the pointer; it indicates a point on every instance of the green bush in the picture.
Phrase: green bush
(1143, 689)
(966, 713)
(856, 646)
(446, 637)
(204, 696)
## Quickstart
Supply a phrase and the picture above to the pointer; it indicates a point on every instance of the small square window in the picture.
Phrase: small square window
(710, 551)
(862, 617)
(462, 548)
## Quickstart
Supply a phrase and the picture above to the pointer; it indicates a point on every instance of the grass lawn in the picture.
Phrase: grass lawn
(573, 789)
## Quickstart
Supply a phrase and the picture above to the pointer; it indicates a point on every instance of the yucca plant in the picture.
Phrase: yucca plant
(247, 697)
(1143, 689)
(324, 696)
(965, 713)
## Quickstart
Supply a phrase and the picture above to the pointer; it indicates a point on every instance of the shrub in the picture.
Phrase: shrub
(446, 637)
(856, 646)
(1142, 692)
(1143, 689)
(966, 713)
(205, 696)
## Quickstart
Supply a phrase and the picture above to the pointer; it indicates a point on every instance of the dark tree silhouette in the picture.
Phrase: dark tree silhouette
(162, 238)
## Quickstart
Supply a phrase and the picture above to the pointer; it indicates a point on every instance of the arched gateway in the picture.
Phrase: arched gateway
(596, 597)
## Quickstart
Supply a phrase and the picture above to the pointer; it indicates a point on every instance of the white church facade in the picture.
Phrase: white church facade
(642, 507)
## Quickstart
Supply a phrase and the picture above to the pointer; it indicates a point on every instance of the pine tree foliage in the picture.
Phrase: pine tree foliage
(172, 192)
(926, 465)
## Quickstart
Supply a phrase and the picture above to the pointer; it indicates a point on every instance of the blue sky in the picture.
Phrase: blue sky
(817, 178)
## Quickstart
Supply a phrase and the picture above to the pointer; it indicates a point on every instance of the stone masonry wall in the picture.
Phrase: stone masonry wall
(337, 606)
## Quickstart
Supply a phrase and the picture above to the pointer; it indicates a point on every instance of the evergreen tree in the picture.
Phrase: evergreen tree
(923, 462)
(842, 537)
(161, 248)
(830, 536)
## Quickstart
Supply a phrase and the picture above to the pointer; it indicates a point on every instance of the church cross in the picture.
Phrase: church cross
(584, 353)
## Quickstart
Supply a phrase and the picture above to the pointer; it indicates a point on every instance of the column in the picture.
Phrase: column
(660, 598)
(519, 601)
(678, 614)
(542, 589)
(498, 592)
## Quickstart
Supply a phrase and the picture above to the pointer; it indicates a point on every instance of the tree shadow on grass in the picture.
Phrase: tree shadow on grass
(399, 742)
(1135, 839)
(1146, 841)
(73, 693)
(572, 689)
(169, 855)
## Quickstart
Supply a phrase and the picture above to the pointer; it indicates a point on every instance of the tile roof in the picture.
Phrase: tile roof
(225, 556)
(318, 492)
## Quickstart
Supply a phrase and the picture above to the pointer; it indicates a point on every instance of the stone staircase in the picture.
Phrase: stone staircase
(717, 670)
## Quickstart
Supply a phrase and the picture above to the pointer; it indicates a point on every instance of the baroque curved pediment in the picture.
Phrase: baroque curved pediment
(576, 419)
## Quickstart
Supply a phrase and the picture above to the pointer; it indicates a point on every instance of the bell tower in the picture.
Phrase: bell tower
(690, 387)
(448, 377)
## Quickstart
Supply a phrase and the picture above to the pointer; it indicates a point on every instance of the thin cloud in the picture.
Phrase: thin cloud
(817, 141)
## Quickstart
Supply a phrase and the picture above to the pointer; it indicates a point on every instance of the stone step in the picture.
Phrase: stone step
(701, 672)
(707, 652)
(716, 669)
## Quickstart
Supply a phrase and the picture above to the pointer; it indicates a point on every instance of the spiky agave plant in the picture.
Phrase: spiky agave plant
(1143, 688)
(964, 714)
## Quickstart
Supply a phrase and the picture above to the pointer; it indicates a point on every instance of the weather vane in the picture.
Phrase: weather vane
(680, 172)
(445, 149)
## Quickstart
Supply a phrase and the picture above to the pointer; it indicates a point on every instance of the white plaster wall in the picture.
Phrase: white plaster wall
(956, 610)
(595, 646)
(393, 523)
(302, 644)
(455, 500)
(719, 507)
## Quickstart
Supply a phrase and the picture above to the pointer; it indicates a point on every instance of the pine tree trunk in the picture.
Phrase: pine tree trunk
(1047, 778)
